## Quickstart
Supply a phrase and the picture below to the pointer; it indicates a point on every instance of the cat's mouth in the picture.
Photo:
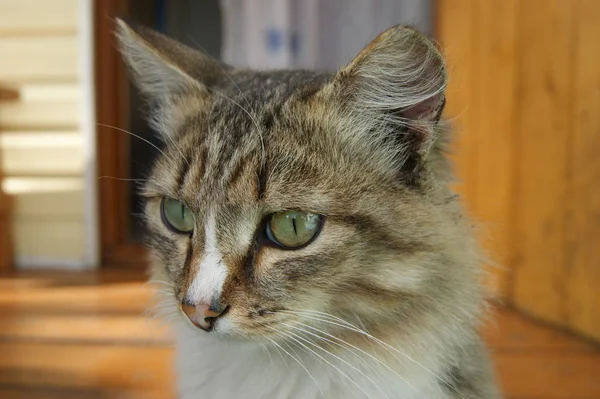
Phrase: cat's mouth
(269, 324)
(209, 319)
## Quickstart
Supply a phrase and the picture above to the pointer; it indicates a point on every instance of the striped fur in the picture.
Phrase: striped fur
(395, 257)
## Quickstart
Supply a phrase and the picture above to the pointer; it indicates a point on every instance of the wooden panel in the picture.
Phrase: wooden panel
(126, 368)
(49, 92)
(544, 126)
(504, 332)
(39, 115)
(43, 392)
(42, 106)
(528, 144)
(494, 132)
(79, 308)
(38, 47)
(19, 185)
(583, 222)
(39, 58)
(60, 238)
(480, 45)
(7, 94)
(454, 30)
(41, 139)
(83, 328)
(37, 16)
(48, 217)
(39, 206)
(536, 375)
(74, 293)
(48, 153)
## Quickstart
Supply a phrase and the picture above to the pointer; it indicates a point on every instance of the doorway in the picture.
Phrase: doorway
(127, 145)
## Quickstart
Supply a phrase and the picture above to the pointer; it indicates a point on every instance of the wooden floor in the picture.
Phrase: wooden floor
(84, 336)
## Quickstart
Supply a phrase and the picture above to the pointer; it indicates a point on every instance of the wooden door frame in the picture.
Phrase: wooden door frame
(6, 205)
(113, 145)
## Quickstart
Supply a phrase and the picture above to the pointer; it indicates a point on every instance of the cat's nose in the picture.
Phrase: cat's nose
(203, 315)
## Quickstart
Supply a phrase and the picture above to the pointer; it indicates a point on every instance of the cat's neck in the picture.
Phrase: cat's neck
(209, 366)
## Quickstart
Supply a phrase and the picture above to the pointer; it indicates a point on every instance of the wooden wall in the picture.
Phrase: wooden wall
(525, 98)
(40, 139)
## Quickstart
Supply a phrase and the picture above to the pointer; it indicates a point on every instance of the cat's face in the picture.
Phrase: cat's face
(282, 197)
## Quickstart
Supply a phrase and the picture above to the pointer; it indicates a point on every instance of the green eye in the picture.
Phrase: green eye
(176, 216)
(293, 229)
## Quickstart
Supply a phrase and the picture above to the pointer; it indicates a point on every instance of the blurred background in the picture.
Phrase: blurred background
(524, 98)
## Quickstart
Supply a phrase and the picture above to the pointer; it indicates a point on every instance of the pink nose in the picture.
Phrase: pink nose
(202, 315)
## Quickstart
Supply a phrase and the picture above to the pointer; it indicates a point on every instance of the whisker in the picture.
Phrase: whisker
(390, 349)
(293, 337)
(354, 347)
(277, 347)
(153, 284)
(162, 308)
(168, 283)
(165, 132)
(163, 305)
(162, 314)
(163, 290)
(268, 353)
(217, 62)
(337, 357)
(296, 359)
(344, 324)
(141, 138)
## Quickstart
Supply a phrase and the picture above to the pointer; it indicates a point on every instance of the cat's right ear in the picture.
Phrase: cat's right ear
(162, 66)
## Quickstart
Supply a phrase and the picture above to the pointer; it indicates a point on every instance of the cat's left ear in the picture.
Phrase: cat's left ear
(397, 81)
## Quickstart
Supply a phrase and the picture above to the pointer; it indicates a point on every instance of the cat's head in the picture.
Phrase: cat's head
(295, 196)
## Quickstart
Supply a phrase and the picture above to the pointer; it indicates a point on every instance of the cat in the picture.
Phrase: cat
(302, 227)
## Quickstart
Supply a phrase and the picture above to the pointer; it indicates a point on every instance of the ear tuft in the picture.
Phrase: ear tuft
(400, 70)
(161, 65)
(400, 77)
(176, 79)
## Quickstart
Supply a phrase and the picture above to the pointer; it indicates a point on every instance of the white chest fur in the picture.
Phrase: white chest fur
(217, 368)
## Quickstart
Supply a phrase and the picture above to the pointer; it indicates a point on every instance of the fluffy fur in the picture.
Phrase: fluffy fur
(386, 302)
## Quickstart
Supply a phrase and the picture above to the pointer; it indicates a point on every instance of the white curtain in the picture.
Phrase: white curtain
(315, 34)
